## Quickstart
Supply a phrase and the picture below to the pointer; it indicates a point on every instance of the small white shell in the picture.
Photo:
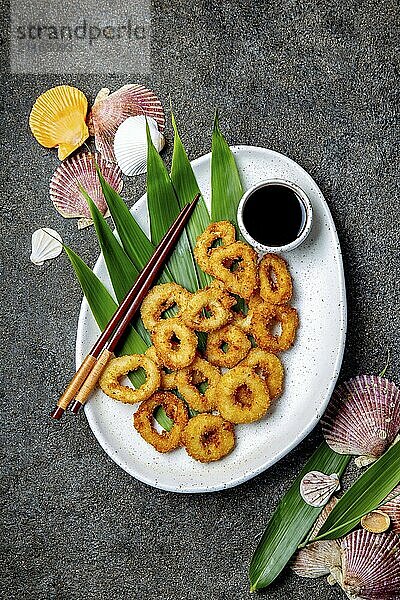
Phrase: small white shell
(130, 144)
(316, 488)
(44, 245)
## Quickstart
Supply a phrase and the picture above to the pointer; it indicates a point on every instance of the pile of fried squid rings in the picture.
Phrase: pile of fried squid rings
(246, 316)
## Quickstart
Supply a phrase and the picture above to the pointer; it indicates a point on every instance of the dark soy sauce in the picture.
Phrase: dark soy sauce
(274, 215)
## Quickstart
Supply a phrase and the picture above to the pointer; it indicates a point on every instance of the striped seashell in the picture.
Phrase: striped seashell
(391, 507)
(130, 144)
(80, 169)
(46, 244)
(109, 111)
(58, 119)
(316, 488)
(318, 558)
(363, 417)
(371, 565)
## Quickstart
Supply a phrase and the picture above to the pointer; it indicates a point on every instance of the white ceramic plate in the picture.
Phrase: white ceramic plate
(311, 366)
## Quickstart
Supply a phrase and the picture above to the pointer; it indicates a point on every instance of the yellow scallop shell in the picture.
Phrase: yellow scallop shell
(57, 119)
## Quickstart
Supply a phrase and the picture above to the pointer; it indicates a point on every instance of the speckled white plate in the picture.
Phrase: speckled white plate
(311, 367)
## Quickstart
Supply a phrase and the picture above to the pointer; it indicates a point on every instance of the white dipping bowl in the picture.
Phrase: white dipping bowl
(302, 198)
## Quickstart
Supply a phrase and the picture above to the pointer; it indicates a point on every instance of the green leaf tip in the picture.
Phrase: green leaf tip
(385, 368)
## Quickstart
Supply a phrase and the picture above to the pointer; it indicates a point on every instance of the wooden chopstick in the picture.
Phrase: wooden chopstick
(93, 365)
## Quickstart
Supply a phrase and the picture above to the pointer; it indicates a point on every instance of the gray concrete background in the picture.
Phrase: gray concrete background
(314, 80)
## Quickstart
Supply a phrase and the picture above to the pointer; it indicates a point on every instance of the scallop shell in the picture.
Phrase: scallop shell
(363, 417)
(318, 558)
(130, 144)
(316, 488)
(391, 507)
(46, 244)
(109, 111)
(376, 521)
(65, 193)
(371, 565)
(58, 119)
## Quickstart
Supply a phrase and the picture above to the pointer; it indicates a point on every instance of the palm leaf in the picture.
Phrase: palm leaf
(366, 494)
(121, 270)
(103, 308)
(291, 521)
(133, 239)
(186, 188)
(163, 209)
(226, 187)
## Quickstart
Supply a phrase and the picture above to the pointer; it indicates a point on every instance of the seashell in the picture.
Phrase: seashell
(46, 244)
(391, 507)
(371, 565)
(322, 557)
(316, 488)
(109, 111)
(58, 119)
(376, 521)
(66, 195)
(363, 417)
(130, 144)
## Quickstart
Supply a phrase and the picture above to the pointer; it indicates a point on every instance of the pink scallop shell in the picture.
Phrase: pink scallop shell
(109, 111)
(371, 565)
(391, 507)
(65, 193)
(363, 416)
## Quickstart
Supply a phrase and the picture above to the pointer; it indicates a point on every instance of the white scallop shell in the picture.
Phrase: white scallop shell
(316, 488)
(130, 144)
(44, 245)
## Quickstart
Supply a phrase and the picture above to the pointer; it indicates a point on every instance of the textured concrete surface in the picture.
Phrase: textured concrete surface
(314, 80)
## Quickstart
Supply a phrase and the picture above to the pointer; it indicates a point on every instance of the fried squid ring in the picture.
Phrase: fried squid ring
(118, 367)
(175, 343)
(205, 311)
(227, 346)
(175, 409)
(208, 437)
(242, 396)
(159, 299)
(224, 296)
(188, 380)
(206, 242)
(265, 318)
(235, 265)
(275, 280)
(268, 367)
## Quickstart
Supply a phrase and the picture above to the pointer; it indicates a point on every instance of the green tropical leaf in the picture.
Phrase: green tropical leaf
(103, 308)
(163, 210)
(366, 494)
(226, 187)
(133, 239)
(186, 188)
(291, 521)
(121, 270)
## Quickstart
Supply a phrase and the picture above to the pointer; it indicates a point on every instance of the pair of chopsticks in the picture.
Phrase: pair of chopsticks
(85, 379)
